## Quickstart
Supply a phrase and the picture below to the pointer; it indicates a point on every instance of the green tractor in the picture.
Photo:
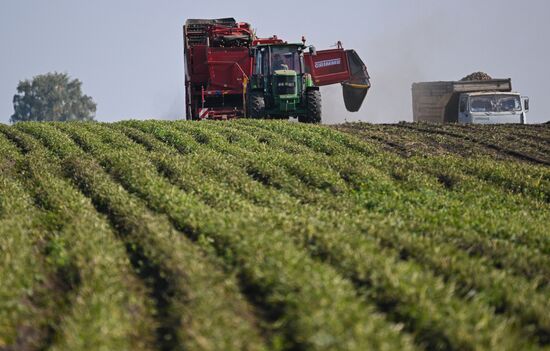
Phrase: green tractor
(280, 85)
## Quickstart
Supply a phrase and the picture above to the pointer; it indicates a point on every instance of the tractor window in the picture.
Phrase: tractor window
(285, 58)
(259, 62)
(265, 61)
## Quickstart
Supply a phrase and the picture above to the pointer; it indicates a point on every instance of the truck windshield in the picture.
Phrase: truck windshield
(495, 103)
(285, 58)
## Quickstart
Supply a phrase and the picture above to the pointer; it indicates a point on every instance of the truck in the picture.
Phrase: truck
(489, 101)
(230, 73)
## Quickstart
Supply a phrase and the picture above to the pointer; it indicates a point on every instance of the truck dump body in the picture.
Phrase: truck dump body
(438, 101)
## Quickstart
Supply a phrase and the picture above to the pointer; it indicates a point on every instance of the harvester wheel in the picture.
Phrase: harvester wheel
(256, 104)
(313, 107)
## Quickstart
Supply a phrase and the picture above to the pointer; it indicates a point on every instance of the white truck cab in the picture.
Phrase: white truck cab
(468, 101)
(492, 108)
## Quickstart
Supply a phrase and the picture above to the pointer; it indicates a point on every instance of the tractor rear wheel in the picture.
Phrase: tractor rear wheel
(256, 104)
(313, 107)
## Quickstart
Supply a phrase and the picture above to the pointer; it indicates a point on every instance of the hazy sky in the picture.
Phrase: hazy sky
(129, 54)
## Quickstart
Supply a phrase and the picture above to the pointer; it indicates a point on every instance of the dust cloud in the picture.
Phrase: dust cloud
(448, 41)
(394, 61)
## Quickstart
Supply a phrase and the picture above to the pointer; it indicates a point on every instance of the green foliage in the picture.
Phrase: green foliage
(52, 97)
(253, 235)
(101, 304)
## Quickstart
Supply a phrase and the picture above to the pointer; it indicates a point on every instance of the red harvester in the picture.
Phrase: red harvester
(229, 73)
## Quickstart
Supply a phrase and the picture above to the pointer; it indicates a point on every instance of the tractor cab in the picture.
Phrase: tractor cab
(279, 85)
(281, 58)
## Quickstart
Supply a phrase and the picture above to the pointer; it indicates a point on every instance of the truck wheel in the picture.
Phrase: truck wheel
(313, 107)
(256, 104)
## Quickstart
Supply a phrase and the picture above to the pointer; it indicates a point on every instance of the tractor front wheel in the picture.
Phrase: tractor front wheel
(313, 107)
(256, 104)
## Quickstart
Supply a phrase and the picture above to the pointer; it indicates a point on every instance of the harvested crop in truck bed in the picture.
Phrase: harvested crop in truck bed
(477, 76)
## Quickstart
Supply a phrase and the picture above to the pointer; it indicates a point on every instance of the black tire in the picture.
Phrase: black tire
(313, 107)
(256, 104)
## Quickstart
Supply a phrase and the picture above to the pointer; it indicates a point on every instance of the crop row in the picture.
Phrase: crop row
(426, 187)
(25, 298)
(199, 307)
(532, 140)
(509, 176)
(458, 183)
(106, 307)
(518, 297)
(320, 310)
(353, 265)
(251, 235)
(500, 215)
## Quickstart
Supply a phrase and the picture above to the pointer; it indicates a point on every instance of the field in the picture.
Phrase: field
(256, 235)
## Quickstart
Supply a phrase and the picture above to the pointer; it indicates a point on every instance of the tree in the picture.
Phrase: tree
(52, 97)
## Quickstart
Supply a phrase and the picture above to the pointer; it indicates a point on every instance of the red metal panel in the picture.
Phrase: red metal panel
(328, 66)
(197, 64)
(228, 67)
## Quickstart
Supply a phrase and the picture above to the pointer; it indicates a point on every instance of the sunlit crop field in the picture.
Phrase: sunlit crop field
(259, 235)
